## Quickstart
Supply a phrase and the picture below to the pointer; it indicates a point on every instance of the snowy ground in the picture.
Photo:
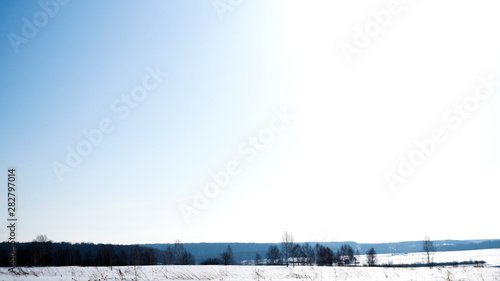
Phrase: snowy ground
(252, 273)
(277, 273)
(490, 256)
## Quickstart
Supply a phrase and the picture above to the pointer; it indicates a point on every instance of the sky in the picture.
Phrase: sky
(234, 121)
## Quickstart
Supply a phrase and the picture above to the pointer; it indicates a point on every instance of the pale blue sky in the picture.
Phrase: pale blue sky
(321, 178)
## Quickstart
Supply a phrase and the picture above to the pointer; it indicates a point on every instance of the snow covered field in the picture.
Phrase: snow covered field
(251, 273)
(277, 273)
(490, 256)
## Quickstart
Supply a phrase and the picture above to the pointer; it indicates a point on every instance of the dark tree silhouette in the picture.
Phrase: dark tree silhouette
(429, 249)
(177, 255)
(287, 246)
(345, 255)
(169, 256)
(308, 254)
(273, 255)
(324, 256)
(257, 259)
(41, 251)
(137, 255)
(105, 255)
(149, 257)
(371, 257)
(297, 254)
(211, 261)
(227, 256)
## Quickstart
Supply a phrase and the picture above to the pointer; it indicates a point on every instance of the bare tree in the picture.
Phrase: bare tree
(178, 251)
(169, 256)
(309, 254)
(257, 259)
(345, 255)
(150, 257)
(105, 255)
(227, 256)
(273, 255)
(41, 238)
(371, 257)
(136, 255)
(324, 255)
(429, 249)
(297, 254)
(178, 255)
(287, 246)
(41, 251)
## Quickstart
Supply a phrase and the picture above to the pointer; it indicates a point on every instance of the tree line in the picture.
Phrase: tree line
(43, 252)
(305, 254)
(226, 258)
(288, 252)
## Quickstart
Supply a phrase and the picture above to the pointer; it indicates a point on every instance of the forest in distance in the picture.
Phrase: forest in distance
(43, 252)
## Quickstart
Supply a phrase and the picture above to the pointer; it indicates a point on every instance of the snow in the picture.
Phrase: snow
(490, 256)
(276, 273)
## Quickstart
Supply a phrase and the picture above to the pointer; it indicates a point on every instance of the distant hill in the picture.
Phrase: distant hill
(202, 251)
(247, 251)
